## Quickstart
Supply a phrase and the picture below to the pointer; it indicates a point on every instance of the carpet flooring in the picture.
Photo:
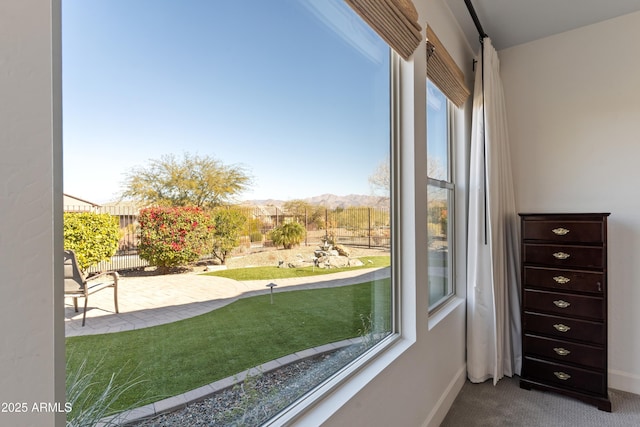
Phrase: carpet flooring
(507, 404)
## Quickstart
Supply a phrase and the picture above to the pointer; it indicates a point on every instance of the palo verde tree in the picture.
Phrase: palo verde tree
(193, 180)
(380, 179)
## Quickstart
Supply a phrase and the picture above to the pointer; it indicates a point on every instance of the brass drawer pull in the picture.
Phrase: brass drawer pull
(562, 376)
(562, 328)
(561, 280)
(561, 303)
(561, 255)
(561, 351)
(560, 231)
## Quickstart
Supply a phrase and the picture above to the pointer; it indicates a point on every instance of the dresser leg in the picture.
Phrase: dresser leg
(525, 385)
(605, 406)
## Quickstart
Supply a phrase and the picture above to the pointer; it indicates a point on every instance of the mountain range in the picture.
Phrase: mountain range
(330, 201)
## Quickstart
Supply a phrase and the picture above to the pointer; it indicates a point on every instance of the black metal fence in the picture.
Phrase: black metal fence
(362, 227)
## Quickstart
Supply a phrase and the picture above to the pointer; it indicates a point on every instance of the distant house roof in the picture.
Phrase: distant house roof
(74, 204)
(122, 207)
(133, 204)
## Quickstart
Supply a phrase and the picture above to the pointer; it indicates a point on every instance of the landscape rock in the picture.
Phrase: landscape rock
(215, 267)
(342, 250)
(333, 261)
(355, 263)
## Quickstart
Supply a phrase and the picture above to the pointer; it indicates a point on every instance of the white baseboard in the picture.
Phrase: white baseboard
(624, 381)
(436, 416)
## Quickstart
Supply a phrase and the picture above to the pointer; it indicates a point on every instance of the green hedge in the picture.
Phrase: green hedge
(92, 236)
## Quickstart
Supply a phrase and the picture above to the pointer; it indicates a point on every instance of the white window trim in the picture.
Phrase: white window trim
(459, 270)
(449, 184)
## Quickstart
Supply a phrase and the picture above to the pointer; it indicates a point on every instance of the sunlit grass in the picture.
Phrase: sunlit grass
(273, 272)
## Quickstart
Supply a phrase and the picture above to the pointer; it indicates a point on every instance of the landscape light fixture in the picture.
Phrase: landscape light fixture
(271, 286)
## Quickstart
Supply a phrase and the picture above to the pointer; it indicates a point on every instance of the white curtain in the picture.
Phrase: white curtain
(493, 298)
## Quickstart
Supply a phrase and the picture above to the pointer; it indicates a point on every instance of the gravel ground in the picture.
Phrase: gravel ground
(261, 397)
(270, 256)
(258, 257)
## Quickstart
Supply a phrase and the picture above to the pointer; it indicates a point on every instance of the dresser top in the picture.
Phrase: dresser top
(578, 215)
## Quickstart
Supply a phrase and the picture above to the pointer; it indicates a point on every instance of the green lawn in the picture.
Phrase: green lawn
(273, 272)
(187, 354)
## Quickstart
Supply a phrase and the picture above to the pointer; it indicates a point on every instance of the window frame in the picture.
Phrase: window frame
(407, 213)
(450, 186)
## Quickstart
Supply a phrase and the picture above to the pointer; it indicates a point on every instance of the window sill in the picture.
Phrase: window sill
(444, 311)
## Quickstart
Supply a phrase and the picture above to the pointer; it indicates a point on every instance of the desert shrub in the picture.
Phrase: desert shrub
(244, 242)
(173, 236)
(256, 236)
(228, 224)
(288, 235)
(90, 400)
(443, 220)
(92, 236)
(253, 225)
(433, 230)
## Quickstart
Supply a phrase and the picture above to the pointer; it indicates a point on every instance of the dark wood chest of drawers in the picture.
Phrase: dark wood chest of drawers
(564, 305)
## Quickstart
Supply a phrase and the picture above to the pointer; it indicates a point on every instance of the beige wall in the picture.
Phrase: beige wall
(416, 388)
(30, 193)
(573, 105)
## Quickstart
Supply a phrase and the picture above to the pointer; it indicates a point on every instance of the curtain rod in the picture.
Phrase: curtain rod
(476, 21)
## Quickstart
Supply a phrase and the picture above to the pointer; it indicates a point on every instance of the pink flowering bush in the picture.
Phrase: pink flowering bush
(173, 236)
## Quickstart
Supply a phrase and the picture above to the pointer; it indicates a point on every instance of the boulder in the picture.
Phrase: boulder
(215, 267)
(333, 261)
(342, 250)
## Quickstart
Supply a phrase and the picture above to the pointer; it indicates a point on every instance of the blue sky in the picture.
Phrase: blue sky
(437, 141)
(273, 86)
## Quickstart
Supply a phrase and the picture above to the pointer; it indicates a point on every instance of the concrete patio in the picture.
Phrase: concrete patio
(154, 300)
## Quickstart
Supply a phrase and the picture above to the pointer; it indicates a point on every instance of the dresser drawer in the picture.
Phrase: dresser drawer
(565, 376)
(558, 279)
(563, 231)
(563, 256)
(564, 328)
(564, 304)
(564, 351)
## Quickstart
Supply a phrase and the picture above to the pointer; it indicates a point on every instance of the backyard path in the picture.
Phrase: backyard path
(155, 300)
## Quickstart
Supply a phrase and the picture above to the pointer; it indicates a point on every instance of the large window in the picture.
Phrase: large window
(440, 198)
(296, 92)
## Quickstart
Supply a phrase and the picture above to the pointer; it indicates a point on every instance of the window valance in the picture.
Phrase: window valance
(396, 21)
(444, 72)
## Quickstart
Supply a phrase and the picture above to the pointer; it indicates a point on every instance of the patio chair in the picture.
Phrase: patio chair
(77, 286)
